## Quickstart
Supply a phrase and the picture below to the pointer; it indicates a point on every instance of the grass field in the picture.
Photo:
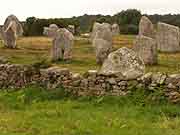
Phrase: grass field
(34, 49)
(36, 111)
(33, 111)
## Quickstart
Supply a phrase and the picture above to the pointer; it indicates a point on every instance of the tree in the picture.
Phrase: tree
(128, 20)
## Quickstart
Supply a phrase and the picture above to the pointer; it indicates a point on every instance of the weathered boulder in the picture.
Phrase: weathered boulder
(63, 41)
(115, 29)
(146, 27)
(102, 48)
(10, 31)
(146, 48)
(168, 38)
(123, 63)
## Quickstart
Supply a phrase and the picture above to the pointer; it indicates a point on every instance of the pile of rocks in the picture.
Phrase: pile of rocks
(17, 76)
(91, 83)
(170, 84)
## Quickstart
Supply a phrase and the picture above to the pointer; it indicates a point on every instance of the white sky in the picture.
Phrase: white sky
(68, 8)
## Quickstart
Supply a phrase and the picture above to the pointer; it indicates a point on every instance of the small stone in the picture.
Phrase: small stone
(159, 78)
(76, 83)
(92, 74)
(123, 83)
(111, 81)
(171, 86)
(76, 76)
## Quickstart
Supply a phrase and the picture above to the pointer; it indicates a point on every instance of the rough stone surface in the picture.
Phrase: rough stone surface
(89, 84)
(63, 41)
(115, 29)
(146, 48)
(102, 41)
(102, 31)
(102, 48)
(168, 38)
(146, 27)
(123, 63)
(10, 31)
(96, 27)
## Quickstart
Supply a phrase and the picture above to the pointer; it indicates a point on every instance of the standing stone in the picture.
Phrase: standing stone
(96, 26)
(63, 41)
(102, 42)
(123, 63)
(115, 29)
(10, 31)
(146, 28)
(168, 38)
(146, 48)
(105, 31)
(71, 28)
(102, 48)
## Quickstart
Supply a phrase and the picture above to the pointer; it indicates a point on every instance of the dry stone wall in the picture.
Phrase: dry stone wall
(90, 83)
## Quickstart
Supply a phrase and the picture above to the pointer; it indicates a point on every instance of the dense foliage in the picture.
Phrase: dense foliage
(127, 19)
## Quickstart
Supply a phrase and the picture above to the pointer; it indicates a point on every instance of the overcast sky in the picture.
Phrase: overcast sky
(68, 8)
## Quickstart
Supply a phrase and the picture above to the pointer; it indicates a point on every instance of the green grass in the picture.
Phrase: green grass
(34, 110)
(34, 49)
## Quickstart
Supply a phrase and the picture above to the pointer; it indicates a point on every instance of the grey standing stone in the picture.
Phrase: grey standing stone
(102, 41)
(102, 48)
(146, 27)
(63, 41)
(168, 38)
(102, 31)
(115, 29)
(10, 31)
(146, 48)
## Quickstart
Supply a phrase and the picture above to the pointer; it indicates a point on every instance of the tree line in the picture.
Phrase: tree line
(128, 21)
